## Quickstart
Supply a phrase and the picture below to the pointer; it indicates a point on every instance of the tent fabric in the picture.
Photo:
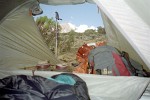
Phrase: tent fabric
(104, 88)
(128, 27)
(65, 2)
(140, 8)
(21, 44)
(7, 5)
(146, 94)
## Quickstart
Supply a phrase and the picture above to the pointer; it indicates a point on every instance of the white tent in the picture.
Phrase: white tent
(127, 25)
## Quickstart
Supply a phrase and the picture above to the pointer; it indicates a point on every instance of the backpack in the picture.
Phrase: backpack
(107, 60)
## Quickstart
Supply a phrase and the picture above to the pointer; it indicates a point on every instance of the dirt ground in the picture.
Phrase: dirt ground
(69, 59)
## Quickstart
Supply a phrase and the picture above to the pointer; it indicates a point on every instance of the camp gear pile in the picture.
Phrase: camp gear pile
(107, 60)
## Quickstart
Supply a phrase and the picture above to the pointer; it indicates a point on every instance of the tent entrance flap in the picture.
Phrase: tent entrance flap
(126, 29)
(21, 44)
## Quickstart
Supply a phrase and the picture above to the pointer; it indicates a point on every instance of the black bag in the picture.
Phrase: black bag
(134, 67)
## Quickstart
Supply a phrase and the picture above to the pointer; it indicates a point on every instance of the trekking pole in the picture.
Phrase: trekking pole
(56, 35)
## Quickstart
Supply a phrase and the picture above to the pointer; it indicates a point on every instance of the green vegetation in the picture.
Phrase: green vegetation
(47, 29)
(67, 42)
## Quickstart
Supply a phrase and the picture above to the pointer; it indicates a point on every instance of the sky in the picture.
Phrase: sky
(81, 16)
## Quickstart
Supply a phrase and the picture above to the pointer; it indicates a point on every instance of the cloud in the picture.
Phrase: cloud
(73, 27)
(83, 28)
(66, 27)
(93, 27)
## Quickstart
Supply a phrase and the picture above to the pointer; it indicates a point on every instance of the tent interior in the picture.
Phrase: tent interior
(127, 26)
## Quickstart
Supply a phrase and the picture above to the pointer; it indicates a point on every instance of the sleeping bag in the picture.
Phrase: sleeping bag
(23, 87)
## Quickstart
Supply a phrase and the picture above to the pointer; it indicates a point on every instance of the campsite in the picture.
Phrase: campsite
(112, 65)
